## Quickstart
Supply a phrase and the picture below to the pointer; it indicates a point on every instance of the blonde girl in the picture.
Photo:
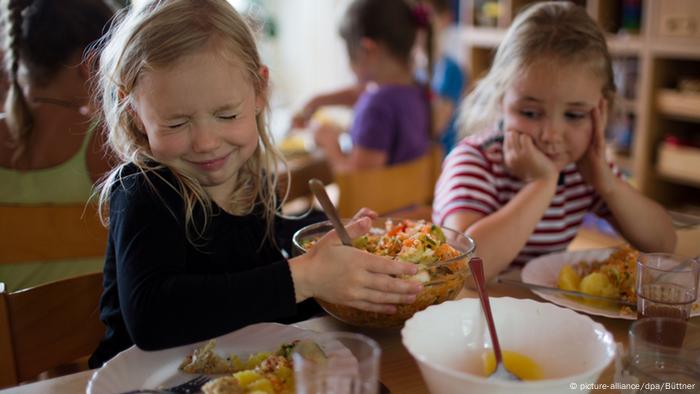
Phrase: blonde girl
(192, 250)
(534, 160)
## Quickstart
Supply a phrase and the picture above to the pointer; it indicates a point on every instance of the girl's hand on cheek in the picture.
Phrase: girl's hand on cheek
(593, 166)
(349, 276)
(525, 160)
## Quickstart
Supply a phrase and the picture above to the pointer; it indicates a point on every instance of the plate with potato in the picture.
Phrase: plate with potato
(603, 272)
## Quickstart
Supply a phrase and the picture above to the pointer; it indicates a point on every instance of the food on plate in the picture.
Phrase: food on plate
(442, 269)
(518, 364)
(613, 277)
(263, 372)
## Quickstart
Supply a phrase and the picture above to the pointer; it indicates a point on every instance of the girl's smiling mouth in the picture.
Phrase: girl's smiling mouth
(211, 165)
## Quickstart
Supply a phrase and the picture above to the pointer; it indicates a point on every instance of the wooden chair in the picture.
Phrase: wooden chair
(50, 232)
(47, 326)
(392, 188)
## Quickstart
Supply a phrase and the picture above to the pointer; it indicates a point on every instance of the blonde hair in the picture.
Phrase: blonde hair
(553, 31)
(155, 36)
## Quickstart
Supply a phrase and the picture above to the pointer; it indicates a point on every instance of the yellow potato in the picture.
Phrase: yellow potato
(262, 385)
(568, 278)
(247, 377)
(597, 283)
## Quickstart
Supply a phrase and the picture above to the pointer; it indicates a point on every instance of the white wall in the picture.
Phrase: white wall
(309, 56)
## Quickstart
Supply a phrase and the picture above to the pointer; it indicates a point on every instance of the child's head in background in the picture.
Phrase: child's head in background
(379, 32)
(551, 70)
(44, 37)
(182, 85)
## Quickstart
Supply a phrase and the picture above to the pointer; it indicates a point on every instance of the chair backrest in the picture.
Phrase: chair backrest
(390, 188)
(48, 326)
(50, 232)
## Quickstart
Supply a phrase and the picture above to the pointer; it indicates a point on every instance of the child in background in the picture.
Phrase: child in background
(392, 115)
(50, 151)
(193, 210)
(521, 186)
(448, 79)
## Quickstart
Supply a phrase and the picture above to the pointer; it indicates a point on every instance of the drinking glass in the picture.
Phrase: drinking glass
(667, 285)
(664, 354)
(350, 365)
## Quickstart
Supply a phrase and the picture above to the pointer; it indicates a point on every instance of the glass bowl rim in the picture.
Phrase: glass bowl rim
(327, 223)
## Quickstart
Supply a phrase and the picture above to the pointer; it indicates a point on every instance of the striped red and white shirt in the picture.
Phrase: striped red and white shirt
(474, 178)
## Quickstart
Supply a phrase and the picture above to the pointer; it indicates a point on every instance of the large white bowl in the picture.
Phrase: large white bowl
(448, 341)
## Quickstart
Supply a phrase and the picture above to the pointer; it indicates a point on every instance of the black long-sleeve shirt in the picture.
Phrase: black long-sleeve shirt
(161, 290)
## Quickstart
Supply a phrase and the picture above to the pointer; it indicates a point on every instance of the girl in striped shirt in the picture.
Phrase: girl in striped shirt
(521, 186)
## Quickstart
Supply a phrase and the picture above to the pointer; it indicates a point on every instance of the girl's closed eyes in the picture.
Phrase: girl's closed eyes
(223, 117)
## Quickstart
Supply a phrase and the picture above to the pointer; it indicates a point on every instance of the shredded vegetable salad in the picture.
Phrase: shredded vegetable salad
(411, 241)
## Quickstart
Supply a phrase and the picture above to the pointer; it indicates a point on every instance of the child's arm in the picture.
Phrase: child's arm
(168, 291)
(643, 222)
(345, 96)
(442, 114)
(326, 138)
(349, 276)
(502, 234)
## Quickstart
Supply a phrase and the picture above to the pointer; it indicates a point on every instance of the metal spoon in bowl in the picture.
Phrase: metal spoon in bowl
(319, 191)
(477, 267)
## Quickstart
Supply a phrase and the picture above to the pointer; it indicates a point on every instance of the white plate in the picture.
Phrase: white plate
(544, 271)
(134, 368)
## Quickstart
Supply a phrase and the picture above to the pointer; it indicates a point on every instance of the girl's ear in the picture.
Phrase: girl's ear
(260, 97)
(132, 112)
(136, 119)
(368, 46)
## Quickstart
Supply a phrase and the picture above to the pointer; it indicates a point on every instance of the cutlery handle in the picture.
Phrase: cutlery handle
(477, 267)
(319, 191)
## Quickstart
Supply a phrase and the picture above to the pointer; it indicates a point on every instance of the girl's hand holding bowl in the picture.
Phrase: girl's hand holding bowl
(366, 289)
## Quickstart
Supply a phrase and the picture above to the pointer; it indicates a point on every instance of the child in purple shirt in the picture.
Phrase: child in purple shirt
(392, 115)
(392, 119)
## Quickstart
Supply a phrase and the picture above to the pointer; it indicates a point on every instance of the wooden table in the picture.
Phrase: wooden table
(399, 372)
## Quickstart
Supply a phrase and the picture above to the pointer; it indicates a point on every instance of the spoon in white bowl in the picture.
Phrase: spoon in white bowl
(319, 191)
(477, 267)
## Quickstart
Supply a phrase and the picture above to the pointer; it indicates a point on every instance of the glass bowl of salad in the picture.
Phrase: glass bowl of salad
(441, 254)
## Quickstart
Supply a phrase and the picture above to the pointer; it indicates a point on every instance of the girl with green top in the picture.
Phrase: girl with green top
(49, 150)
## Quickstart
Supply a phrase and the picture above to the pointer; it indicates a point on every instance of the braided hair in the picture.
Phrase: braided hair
(41, 35)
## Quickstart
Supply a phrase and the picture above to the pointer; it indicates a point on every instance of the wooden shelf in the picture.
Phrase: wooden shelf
(627, 105)
(669, 48)
(681, 105)
(679, 164)
(624, 44)
(482, 37)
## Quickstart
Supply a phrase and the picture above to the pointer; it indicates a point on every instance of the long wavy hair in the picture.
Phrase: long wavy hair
(560, 32)
(154, 36)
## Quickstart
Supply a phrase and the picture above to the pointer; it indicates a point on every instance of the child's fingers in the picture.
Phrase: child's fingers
(597, 139)
(514, 140)
(355, 229)
(365, 212)
(359, 227)
(383, 265)
(392, 286)
(525, 143)
(383, 297)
